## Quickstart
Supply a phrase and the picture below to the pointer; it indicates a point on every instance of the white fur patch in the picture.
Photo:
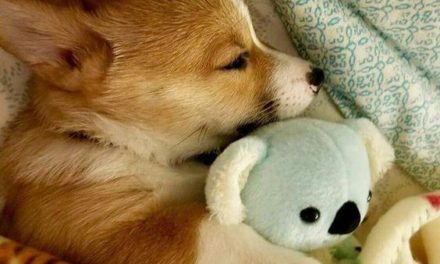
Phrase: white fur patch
(289, 78)
(292, 90)
(242, 8)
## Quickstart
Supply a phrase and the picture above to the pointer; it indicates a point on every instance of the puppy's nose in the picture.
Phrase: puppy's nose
(315, 78)
(347, 220)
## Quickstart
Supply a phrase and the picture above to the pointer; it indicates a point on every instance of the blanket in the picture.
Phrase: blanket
(382, 59)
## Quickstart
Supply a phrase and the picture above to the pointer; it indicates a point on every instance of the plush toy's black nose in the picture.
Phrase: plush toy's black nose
(315, 77)
(347, 219)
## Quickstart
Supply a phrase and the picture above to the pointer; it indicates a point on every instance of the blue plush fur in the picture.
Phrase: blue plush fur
(303, 183)
(308, 163)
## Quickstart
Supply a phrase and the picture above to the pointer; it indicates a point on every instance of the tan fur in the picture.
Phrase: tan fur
(144, 80)
(140, 233)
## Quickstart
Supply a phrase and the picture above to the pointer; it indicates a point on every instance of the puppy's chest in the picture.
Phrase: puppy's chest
(173, 185)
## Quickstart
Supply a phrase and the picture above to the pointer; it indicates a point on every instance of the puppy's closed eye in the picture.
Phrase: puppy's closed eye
(239, 63)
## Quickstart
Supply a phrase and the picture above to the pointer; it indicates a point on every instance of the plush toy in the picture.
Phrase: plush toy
(389, 242)
(303, 183)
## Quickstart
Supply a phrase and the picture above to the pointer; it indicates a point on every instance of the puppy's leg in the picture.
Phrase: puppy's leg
(120, 223)
(186, 235)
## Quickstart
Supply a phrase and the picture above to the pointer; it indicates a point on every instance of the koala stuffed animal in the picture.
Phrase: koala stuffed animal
(303, 183)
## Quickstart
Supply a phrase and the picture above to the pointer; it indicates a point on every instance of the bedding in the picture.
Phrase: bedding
(382, 60)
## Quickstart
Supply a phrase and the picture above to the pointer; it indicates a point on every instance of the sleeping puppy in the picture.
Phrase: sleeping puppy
(123, 94)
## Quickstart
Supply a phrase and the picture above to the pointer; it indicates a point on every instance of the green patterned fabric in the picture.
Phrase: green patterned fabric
(382, 59)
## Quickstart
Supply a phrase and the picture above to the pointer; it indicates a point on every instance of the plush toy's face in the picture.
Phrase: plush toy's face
(303, 183)
(312, 188)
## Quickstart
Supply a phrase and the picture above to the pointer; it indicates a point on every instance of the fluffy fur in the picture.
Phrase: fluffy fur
(123, 92)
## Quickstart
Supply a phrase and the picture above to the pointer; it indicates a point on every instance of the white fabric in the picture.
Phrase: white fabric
(13, 77)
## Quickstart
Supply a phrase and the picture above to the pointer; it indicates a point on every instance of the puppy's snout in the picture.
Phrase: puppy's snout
(347, 220)
(315, 78)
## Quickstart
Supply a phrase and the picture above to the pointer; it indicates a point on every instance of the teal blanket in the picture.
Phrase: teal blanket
(382, 59)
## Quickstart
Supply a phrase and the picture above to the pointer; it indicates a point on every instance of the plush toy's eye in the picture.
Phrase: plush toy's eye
(370, 195)
(310, 215)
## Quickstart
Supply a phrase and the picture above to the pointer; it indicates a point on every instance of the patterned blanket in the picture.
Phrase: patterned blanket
(382, 59)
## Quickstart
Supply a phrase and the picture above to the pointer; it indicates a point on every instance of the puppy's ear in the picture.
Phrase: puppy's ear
(380, 151)
(227, 177)
(53, 40)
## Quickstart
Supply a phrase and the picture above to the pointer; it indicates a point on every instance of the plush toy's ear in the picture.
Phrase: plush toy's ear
(380, 151)
(227, 177)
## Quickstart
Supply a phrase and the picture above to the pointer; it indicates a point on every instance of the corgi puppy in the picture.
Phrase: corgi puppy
(123, 95)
